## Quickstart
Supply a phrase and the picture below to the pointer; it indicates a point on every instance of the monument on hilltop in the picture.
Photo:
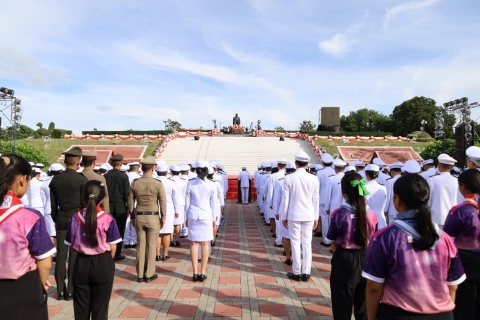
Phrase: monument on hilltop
(236, 127)
(236, 120)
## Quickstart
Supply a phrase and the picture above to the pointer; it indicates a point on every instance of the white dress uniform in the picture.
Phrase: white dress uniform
(172, 201)
(224, 176)
(376, 200)
(278, 205)
(333, 200)
(269, 197)
(324, 179)
(132, 176)
(260, 202)
(200, 209)
(130, 236)
(218, 199)
(263, 189)
(47, 209)
(429, 173)
(244, 177)
(389, 207)
(34, 197)
(443, 196)
(382, 178)
(300, 209)
(181, 192)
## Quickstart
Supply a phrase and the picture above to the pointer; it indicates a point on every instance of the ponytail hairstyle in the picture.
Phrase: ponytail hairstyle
(414, 192)
(357, 201)
(12, 166)
(93, 194)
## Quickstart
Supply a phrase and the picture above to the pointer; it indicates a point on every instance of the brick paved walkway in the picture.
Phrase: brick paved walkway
(246, 280)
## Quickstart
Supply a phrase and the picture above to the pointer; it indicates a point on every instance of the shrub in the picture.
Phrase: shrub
(60, 133)
(433, 150)
(28, 152)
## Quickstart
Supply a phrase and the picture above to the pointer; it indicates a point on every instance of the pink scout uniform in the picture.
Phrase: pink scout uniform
(343, 226)
(463, 224)
(107, 233)
(415, 281)
(23, 238)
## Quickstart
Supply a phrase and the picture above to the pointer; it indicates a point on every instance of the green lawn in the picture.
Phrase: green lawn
(54, 149)
(331, 146)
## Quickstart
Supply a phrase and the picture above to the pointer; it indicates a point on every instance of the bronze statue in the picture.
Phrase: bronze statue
(236, 120)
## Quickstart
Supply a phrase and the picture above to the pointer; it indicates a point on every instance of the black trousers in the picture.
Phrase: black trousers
(23, 298)
(61, 259)
(119, 212)
(347, 285)
(93, 282)
(388, 312)
(467, 302)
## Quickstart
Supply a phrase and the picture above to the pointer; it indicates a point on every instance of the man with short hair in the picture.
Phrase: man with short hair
(443, 190)
(88, 159)
(66, 200)
(54, 170)
(146, 196)
(323, 178)
(244, 177)
(377, 198)
(299, 215)
(118, 188)
(133, 171)
(270, 184)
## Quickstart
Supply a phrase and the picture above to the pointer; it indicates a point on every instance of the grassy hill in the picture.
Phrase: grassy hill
(54, 149)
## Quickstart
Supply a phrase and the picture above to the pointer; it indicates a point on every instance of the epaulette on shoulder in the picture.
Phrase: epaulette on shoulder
(281, 178)
(191, 179)
(213, 180)
(331, 175)
(388, 179)
(171, 179)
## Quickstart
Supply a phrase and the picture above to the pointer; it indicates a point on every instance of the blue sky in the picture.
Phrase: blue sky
(118, 65)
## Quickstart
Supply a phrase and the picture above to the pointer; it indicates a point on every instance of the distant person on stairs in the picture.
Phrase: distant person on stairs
(244, 177)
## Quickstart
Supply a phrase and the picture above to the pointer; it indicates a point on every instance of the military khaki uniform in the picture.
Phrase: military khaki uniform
(92, 175)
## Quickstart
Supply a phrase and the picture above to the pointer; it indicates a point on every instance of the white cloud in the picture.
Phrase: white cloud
(342, 41)
(391, 13)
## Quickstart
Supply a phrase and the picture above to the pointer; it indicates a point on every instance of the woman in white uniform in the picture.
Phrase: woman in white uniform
(219, 202)
(200, 212)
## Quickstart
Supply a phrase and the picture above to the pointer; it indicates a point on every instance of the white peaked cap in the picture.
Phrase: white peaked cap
(32, 164)
(189, 162)
(372, 167)
(210, 170)
(56, 167)
(161, 162)
(290, 165)
(94, 168)
(124, 167)
(349, 168)
(212, 163)
(174, 168)
(184, 167)
(318, 167)
(359, 164)
(201, 164)
(282, 161)
(426, 162)
(396, 165)
(136, 163)
(378, 162)
(37, 170)
(301, 156)
(313, 166)
(412, 166)
(109, 166)
(274, 164)
(446, 159)
(339, 163)
(40, 165)
(327, 158)
(431, 172)
(267, 164)
(473, 152)
(457, 170)
(104, 166)
(162, 168)
(352, 163)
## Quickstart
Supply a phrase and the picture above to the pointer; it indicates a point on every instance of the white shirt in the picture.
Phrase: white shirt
(255, 178)
(277, 202)
(443, 196)
(218, 198)
(362, 173)
(200, 200)
(334, 192)
(181, 189)
(323, 178)
(34, 196)
(382, 178)
(132, 176)
(171, 194)
(300, 197)
(45, 195)
(224, 175)
(376, 200)
(244, 177)
(389, 207)
(263, 183)
(270, 184)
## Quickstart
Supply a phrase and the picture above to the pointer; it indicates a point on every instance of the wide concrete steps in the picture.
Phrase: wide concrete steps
(235, 152)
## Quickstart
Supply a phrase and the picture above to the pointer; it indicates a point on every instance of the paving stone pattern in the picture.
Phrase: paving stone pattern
(246, 280)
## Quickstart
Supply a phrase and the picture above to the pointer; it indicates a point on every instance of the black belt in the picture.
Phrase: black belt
(147, 213)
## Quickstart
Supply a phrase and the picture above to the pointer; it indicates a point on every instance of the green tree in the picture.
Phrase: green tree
(306, 126)
(24, 133)
(27, 151)
(51, 126)
(278, 128)
(39, 125)
(407, 116)
(365, 120)
(173, 125)
(434, 149)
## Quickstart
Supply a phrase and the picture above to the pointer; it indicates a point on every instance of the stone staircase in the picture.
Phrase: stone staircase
(235, 151)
